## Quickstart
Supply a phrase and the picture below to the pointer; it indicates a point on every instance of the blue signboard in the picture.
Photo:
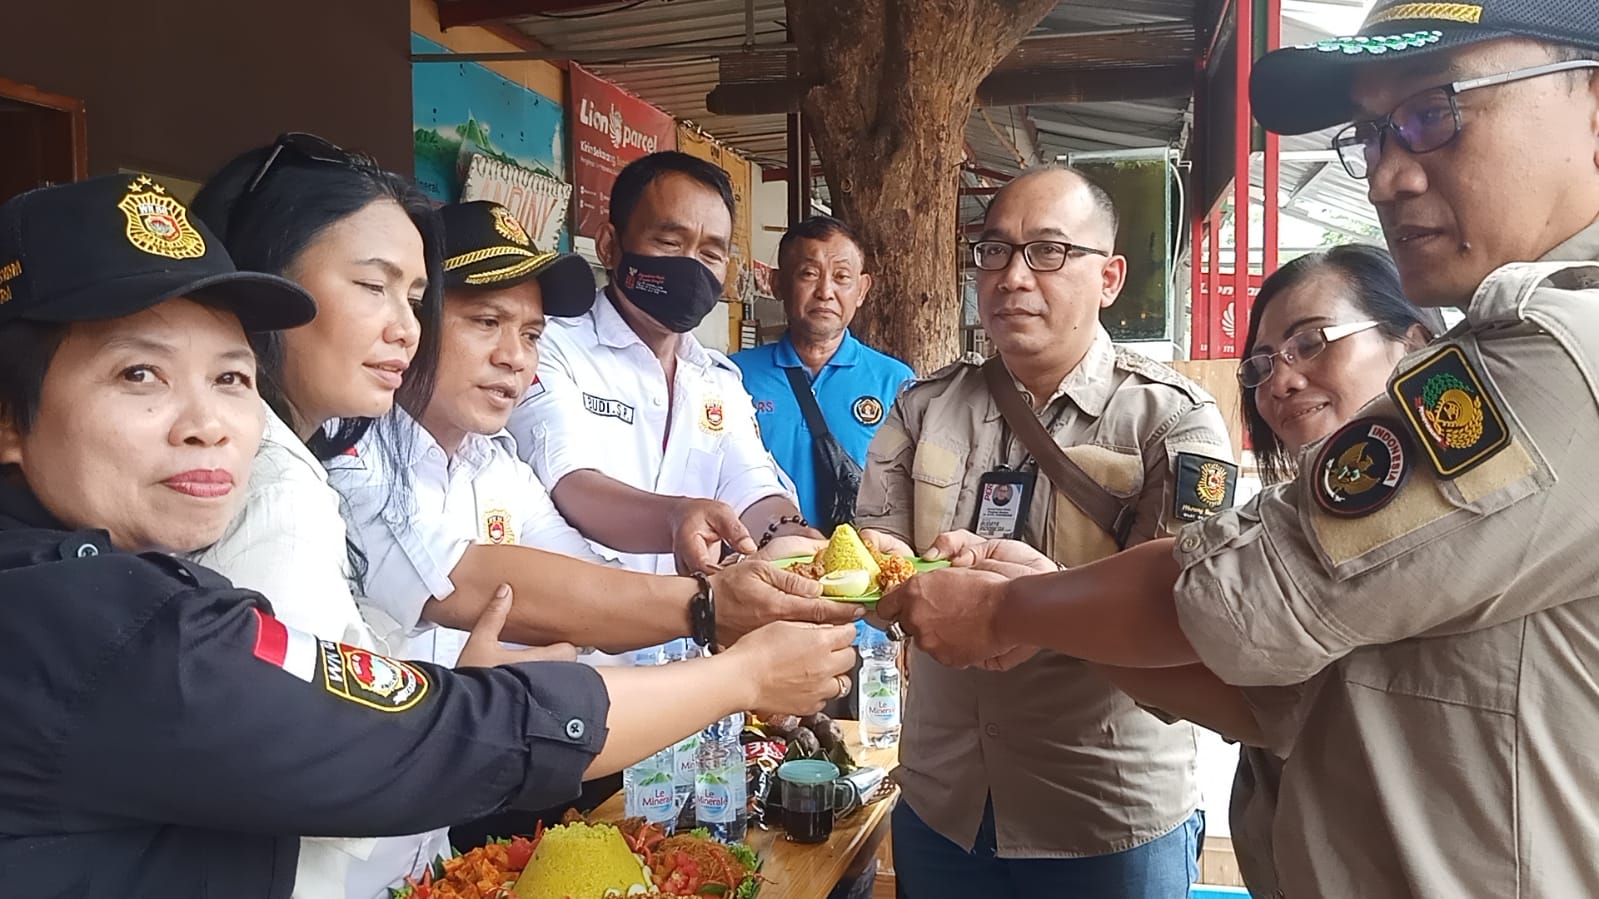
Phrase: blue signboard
(463, 108)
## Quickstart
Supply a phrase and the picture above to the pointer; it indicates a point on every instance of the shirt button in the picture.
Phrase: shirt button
(575, 728)
(992, 730)
(1188, 543)
(87, 550)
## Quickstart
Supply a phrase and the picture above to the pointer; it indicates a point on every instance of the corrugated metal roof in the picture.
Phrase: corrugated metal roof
(1000, 139)
(680, 86)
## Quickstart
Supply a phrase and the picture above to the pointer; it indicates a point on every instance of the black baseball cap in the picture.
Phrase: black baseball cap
(485, 246)
(1302, 89)
(118, 244)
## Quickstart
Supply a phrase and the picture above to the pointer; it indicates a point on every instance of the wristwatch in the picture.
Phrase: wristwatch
(702, 614)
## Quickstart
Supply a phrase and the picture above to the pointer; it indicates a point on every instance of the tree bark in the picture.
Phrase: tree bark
(895, 81)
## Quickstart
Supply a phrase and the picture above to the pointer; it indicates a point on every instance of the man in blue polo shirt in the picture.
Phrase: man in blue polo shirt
(821, 282)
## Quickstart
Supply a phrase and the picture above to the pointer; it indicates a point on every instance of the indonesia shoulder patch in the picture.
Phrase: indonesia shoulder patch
(1361, 467)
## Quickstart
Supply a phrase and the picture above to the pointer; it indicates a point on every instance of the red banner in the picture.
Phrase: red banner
(610, 128)
(1219, 327)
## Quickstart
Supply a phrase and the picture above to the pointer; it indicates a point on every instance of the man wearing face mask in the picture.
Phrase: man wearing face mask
(630, 413)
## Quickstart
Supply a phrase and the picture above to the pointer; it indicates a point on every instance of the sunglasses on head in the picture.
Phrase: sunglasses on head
(302, 147)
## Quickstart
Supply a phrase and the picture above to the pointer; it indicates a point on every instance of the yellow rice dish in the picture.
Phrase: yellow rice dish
(583, 861)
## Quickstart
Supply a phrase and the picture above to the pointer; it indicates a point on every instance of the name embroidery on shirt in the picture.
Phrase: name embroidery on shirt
(608, 408)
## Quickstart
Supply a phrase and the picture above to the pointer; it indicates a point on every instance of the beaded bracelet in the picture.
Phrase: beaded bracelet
(771, 529)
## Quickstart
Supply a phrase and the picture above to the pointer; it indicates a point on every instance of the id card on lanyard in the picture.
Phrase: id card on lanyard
(1003, 496)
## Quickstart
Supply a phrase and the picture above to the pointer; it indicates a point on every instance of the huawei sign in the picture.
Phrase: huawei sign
(1217, 321)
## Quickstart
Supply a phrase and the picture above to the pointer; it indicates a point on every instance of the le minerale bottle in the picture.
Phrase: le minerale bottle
(647, 786)
(879, 689)
(719, 804)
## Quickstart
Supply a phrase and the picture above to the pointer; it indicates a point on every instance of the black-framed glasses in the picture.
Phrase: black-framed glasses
(1040, 255)
(1256, 370)
(306, 147)
(1429, 120)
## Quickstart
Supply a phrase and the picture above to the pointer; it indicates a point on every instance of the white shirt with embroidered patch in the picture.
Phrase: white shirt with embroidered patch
(287, 543)
(484, 494)
(601, 403)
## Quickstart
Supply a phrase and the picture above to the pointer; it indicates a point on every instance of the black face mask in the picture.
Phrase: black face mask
(677, 291)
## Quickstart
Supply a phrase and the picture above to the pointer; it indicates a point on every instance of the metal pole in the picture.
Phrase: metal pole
(1244, 37)
(1272, 163)
(1213, 283)
(1198, 301)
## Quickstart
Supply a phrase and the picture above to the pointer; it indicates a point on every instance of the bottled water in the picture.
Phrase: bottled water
(647, 786)
(687, 755)
(647, 790)
(879, 690)
(719, 804)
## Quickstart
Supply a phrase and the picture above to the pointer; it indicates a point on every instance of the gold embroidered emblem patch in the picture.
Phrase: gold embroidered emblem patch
(497, 527)
(158, 224)
(711, 417)
(509, 227)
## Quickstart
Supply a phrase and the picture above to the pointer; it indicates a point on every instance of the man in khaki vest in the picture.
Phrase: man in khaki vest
(1432, 574)
(1044, 780)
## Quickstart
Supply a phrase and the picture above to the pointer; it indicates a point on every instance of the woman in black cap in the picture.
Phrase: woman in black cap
(166, 734)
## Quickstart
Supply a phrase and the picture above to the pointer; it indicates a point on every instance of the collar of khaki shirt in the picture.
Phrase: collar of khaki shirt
(1089, 385)
(1580, 247)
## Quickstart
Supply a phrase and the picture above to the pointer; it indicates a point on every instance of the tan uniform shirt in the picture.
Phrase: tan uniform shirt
(1450, 748)
(1073, 766)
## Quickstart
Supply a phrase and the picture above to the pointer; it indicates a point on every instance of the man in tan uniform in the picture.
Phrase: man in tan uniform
(1044, 780)
(1433, 571)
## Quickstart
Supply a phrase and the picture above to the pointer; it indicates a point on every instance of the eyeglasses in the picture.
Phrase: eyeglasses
(1429, 120)
(1040, 255)
(1256, 370)
(307, 147)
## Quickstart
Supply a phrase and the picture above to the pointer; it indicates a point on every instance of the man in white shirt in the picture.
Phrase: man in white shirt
(630, 412)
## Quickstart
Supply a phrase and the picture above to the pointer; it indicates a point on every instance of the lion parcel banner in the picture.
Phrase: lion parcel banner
(610, 128)
(695, 142)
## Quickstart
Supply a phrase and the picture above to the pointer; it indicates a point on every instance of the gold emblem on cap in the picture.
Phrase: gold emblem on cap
(158, 224)
(508, 226)
(10, 270)
(1465, 13)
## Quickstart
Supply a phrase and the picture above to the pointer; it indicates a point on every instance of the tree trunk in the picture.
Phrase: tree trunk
(895, 81)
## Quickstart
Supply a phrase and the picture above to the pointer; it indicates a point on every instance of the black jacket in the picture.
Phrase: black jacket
(161, 735)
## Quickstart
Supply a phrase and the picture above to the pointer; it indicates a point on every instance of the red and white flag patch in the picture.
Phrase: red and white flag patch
(278, 644)
(534, 389)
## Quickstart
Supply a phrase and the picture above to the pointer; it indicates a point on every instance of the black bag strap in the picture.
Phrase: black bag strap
(801, 386)
(1105, 508)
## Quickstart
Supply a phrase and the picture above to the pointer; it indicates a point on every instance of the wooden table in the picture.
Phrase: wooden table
(808, 870)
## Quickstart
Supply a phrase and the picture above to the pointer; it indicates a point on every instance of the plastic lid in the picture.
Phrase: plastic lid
(807, 771)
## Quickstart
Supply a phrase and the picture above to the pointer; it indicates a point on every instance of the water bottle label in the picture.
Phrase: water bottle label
(883, 709)
(655, 796)
(687, 759)
(713, 800)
